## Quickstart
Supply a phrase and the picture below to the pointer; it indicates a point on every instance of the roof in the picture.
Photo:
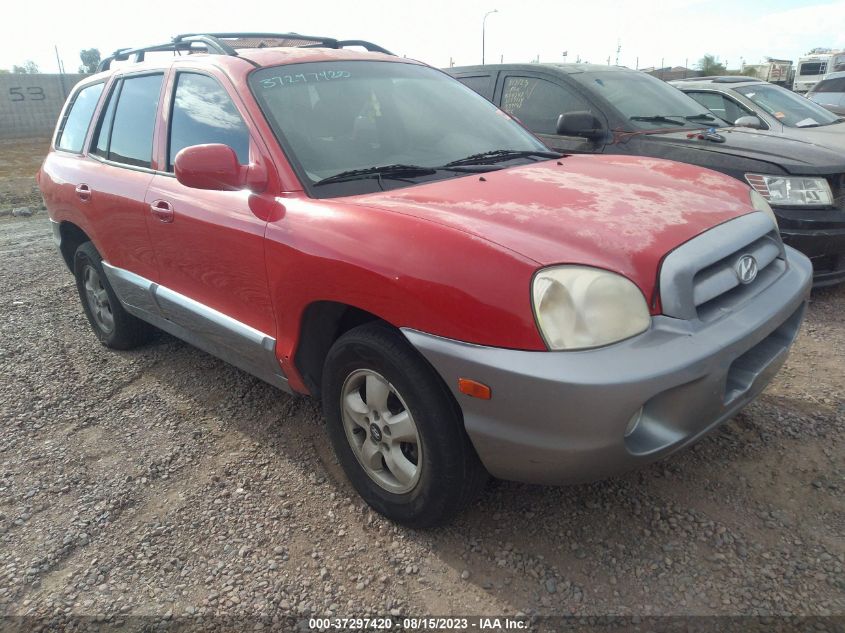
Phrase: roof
(725, 79)
(566, 68)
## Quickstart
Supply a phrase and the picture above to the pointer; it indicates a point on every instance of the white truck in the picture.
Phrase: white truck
(815, 65)
(776, 71)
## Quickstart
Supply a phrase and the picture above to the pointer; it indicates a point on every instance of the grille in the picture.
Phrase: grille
(837, 187)
(700, 280)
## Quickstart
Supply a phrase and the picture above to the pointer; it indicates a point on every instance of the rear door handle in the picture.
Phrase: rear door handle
(162, 210)
(84, 192)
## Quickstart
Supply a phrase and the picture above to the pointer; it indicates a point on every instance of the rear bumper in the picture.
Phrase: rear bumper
(561, 417)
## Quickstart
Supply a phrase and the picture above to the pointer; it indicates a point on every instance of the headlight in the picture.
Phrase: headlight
(578, 307)
(785, 191)
(759, 203)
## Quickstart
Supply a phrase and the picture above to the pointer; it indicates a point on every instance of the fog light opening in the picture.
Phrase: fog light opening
(634, 422)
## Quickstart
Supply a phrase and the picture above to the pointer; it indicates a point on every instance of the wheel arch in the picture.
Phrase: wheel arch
(72, 236)
(322, 323)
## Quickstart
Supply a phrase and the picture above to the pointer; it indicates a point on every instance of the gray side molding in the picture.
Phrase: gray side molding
(198, 324)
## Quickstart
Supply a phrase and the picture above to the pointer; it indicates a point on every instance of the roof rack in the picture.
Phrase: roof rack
(228, 43)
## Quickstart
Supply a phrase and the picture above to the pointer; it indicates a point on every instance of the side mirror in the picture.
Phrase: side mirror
(580, 123)
(749, 121)
(213, 166)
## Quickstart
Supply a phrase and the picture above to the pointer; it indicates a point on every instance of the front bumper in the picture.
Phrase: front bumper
(561, 417)
(820, 235)
(826, 250)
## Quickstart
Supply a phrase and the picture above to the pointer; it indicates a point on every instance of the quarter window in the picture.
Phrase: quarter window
(75, 126)
(204, 113)
(125, 131)
(479, 83)
(538, 103)
(720, 105)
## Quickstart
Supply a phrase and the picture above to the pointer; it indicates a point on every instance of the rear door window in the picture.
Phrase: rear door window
(125, 131)
(831, 85)
(538, 103)
(204, 113)
(72, 132)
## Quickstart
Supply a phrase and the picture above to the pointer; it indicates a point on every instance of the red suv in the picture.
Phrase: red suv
(364, 228)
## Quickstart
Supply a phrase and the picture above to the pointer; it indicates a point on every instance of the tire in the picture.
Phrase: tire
(113, 325)
(441, 473)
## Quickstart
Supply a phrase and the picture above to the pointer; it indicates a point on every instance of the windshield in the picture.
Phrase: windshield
(787, 107)
(405, 119)
(812, 68)
(647, 102)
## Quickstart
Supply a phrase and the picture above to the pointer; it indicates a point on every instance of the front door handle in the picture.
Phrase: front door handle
(162, 210)
(84, 192)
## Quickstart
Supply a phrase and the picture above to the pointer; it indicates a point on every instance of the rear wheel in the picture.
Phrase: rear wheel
(112, 324)
(396, 430)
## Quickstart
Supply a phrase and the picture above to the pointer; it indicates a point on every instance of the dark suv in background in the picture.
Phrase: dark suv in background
(586, 108)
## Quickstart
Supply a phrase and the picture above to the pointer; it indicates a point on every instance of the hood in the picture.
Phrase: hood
(829, 136)
(620, 213)
(795, 156)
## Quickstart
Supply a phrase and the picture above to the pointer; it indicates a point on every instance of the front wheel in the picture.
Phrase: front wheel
(396, 430)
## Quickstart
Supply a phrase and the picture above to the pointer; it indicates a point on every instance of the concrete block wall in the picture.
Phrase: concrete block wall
(30, 104)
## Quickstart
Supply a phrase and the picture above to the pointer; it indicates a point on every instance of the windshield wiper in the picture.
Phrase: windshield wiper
(700, 117)
(660, 119)
(497, 155)
(399, 172)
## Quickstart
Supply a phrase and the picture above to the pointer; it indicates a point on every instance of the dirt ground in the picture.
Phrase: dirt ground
(19, 160)
(165, 484)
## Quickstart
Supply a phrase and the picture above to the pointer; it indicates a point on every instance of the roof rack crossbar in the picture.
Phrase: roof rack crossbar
(318, 40)
(214, 43)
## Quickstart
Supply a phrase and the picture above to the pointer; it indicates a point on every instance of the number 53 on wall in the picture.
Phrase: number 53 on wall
(30, 93)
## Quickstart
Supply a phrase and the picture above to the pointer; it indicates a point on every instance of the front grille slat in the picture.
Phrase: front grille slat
(699, 279)
(720, 278)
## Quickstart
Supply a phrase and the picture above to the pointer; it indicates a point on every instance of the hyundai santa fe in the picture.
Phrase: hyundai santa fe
(364, 229)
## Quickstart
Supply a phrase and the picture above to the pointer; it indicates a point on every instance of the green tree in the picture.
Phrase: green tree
(29, 68)
(709, 66)
(90, 59)
(4, 71)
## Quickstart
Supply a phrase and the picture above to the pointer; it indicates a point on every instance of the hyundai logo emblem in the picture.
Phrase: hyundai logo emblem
(746, 269)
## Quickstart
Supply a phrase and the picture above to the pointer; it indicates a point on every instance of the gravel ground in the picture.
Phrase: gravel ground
(162, 482)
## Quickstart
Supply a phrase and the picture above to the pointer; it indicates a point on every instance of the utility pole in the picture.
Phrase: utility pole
(618, 50)
(484, 32)
(61, 71)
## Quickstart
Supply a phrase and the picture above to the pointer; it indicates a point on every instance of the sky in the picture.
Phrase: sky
(660, 32)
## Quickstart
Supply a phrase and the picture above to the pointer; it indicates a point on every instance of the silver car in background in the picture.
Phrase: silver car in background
(757, 104)
(830, 93)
